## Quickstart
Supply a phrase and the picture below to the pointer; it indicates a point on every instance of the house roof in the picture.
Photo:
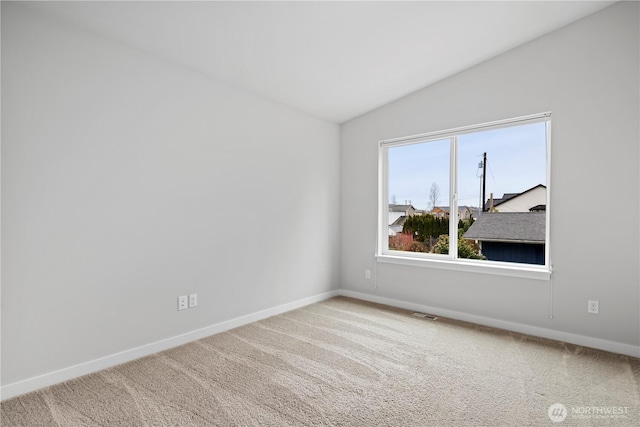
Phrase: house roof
(521, 227)
(400, 208)
(400, 221)
(460, 208)
(471, 209)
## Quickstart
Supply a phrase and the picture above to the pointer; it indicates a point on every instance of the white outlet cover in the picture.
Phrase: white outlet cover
(182, 302)
(193, 300)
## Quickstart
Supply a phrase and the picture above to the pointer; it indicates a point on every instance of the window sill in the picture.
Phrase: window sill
(471, 266)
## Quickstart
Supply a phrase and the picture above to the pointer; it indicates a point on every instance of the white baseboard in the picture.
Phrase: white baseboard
(35, 383)
(585, 341)
(65, 374)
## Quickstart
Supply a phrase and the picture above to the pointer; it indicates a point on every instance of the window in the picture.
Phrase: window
(483, 187)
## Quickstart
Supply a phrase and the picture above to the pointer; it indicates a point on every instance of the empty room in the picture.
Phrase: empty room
(240, 213)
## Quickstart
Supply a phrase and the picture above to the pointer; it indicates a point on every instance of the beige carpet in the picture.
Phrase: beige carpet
(344, 362)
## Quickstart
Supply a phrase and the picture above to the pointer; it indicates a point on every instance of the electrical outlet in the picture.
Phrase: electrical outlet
(592, 307)
(193, 300)
(182, 302)
(367, 274)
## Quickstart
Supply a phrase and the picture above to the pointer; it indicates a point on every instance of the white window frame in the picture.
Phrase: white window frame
(451, 261)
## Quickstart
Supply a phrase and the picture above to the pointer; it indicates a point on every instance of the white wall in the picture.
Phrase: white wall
(118, 174)
(587, 75)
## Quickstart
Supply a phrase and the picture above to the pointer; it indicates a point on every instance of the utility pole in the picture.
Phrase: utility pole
(484, 180)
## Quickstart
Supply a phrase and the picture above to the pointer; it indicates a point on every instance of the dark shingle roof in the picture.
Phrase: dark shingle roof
(524, 227)
(400, 221)
(399, 208)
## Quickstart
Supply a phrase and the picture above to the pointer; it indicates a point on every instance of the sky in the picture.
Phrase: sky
(516, 161)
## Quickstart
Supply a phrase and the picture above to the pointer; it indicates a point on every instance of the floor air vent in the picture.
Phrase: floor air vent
(425, 316)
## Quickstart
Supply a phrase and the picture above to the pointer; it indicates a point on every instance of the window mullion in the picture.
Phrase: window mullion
(382, 244)
(453, 199)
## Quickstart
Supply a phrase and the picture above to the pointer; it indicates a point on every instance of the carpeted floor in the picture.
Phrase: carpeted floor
(344, 362)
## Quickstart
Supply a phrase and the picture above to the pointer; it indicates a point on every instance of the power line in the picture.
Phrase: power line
(494, 180)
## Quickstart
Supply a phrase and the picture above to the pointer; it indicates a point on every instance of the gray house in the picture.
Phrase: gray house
(510, 236)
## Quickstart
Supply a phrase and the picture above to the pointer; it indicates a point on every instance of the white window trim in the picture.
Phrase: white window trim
(450, 261)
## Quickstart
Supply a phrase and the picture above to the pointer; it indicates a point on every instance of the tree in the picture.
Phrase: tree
(465, 249)
(393, 200)
(434, 195)
(424, 227)
(464, 225)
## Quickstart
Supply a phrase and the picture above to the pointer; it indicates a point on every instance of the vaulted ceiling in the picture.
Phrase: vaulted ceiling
(336, 60)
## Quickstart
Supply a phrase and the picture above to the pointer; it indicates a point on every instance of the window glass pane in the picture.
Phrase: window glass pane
(510, 224)
(418, 190)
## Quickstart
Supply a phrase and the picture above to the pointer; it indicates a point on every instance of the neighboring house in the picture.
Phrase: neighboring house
(520, 202)
(396, 226)
(440, 212)
(464, 212)
(510, 236)
(396, 211)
